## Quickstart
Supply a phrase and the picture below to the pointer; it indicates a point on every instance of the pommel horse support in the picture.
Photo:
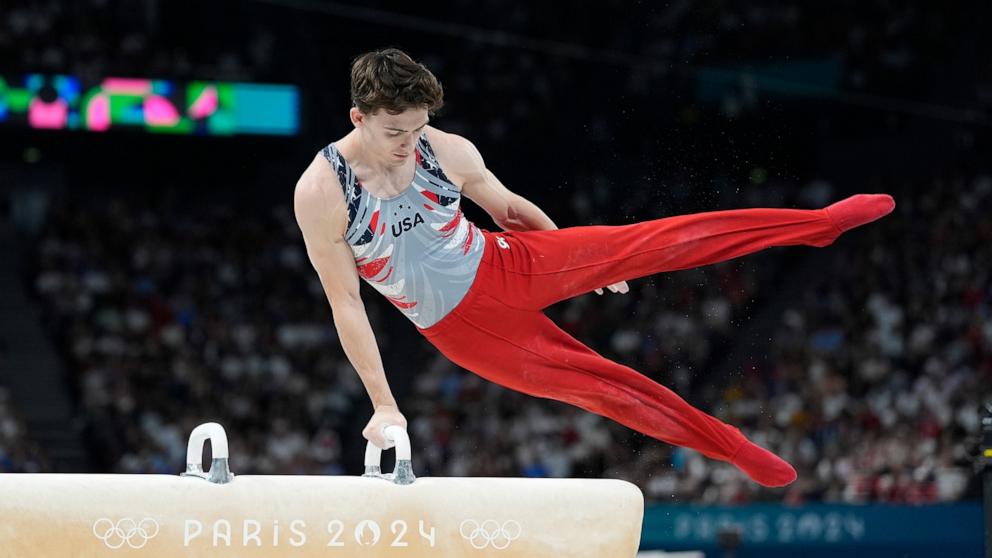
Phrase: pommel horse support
(218, 514)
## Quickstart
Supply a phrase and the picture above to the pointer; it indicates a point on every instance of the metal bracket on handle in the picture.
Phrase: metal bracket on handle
(403, 473)
(220, 471)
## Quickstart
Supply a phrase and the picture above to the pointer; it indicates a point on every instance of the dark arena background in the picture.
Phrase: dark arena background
(153, 276)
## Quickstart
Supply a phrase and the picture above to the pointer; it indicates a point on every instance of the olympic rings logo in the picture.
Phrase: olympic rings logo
(125, 531)
(490, 532)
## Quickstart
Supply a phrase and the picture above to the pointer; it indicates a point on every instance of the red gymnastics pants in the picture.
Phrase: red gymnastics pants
(499, 331)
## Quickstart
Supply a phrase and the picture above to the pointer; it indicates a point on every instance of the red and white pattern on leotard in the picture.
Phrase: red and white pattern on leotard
(432, 262)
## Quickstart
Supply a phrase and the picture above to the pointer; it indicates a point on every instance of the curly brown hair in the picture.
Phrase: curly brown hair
(389, 79)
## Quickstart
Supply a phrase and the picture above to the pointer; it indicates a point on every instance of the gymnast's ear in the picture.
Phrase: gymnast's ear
(357, 117)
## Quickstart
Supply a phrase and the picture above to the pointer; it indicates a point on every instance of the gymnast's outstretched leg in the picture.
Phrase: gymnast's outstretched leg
(525, 351)
(540, 268)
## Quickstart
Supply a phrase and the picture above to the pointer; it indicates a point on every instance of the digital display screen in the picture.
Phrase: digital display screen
(211, 108)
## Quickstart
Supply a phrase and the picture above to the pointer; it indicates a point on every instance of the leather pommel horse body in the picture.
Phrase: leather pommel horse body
(217, 514)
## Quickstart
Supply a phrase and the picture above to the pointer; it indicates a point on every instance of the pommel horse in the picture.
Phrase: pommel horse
(213, 513)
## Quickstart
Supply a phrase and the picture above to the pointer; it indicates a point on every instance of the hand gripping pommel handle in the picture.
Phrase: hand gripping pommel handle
(220, 471)
(403, 473)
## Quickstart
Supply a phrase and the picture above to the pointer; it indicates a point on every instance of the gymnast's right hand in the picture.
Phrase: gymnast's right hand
(384, 416)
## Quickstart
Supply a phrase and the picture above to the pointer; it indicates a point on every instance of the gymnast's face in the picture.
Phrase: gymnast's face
(390, 137)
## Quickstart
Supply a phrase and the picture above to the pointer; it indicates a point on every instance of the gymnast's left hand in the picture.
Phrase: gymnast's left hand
(620, 287)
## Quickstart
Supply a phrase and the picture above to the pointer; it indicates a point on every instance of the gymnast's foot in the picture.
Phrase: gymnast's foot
(763, 466)
(860, 209)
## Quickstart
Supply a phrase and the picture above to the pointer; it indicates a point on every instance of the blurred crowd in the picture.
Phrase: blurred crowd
(18, 452)
(171, 319)
(93, 39)
(872, 388)
(880, 365)
(170, 313)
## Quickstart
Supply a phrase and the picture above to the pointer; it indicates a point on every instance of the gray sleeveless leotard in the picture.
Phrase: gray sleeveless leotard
(416, 248)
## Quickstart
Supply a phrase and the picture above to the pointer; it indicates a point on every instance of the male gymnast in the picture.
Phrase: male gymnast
(382, 203)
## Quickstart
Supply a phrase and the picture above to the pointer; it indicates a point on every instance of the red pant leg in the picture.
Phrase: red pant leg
(544, 267)
(525, 351)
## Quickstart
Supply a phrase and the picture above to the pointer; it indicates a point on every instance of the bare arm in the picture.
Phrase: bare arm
(512, 212)
(322, 217)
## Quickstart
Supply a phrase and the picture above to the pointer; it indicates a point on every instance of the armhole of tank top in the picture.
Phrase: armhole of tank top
(428, 152)
(345, 178)
(338, 165)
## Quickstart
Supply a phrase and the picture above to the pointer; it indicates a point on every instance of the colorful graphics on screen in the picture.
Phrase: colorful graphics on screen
(154, 105)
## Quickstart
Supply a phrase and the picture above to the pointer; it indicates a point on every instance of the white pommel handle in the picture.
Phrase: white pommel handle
(218, 443)
(403, 473)
(392, 433)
